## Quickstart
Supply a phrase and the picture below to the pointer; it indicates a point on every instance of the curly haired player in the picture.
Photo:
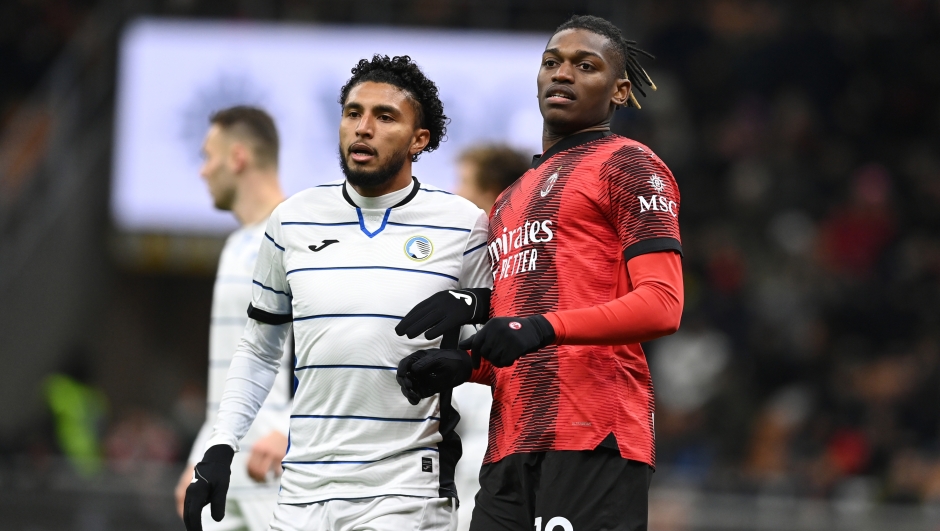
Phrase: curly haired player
(340, 264)
(587, 264)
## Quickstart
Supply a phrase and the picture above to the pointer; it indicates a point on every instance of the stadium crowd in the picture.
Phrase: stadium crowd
(805, 138)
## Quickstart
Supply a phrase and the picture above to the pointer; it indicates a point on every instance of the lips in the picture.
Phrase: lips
(559, 94)
(360, 152)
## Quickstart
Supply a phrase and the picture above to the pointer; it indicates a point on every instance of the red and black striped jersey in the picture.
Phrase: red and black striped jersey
(559, 239)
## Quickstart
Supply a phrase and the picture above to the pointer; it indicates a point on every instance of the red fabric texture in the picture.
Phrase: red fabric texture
(653, 309)
(558, 239)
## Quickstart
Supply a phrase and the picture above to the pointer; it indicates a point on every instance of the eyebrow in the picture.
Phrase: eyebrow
(577, 53)
(381, 108)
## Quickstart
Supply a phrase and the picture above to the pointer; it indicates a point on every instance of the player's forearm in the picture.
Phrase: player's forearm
(653, 309)
(251, 376)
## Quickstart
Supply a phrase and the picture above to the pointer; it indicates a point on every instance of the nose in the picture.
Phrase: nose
(365, 126)
(564, 73)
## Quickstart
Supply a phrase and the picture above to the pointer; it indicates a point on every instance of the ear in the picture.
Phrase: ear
(621, 93)
(420, 141)
(239, 157)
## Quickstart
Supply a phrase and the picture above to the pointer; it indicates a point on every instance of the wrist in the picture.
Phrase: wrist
(219, 453)
(558, 326)
(546, 331)
(481, 313)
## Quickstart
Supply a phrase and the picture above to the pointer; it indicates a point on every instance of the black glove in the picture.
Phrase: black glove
(210, 485)
(428, 372)
(503, 340)
(446, 310)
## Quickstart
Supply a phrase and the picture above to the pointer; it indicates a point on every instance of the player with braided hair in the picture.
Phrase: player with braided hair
(339, 265)
(586, 264)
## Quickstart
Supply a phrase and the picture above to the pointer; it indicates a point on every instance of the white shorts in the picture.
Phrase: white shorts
(384, 513)
(243, 513)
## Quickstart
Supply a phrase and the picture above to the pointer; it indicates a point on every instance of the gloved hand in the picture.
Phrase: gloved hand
(427, 372)
(444, 311)
(209, 485)
(503, 340)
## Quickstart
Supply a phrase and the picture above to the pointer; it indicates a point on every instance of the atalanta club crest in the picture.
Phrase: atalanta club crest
(419, 248)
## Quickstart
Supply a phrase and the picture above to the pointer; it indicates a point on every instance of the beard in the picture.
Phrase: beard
(377, 177)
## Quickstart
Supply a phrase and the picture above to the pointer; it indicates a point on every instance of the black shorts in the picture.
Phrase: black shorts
(594, 490)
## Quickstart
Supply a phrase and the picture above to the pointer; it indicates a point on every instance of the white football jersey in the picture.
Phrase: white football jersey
(231, 296)
(345, 275)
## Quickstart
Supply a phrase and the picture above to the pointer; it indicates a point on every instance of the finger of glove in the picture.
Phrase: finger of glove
(196, 498)
(476, 359)
(413, 398)
(404, 366)
(422, 309)
(443, 326)
(423, 322)
(217, 500)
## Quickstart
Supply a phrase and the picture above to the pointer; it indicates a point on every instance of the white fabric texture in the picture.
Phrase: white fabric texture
(474, 403)
(230, 298)
(352, 433)
(384, 513)
(243, 512)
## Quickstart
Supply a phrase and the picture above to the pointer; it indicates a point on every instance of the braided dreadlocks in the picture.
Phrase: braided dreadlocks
(626, 51)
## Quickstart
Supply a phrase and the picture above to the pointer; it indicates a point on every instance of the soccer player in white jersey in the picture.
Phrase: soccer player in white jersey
(343, 262)
(241, 171)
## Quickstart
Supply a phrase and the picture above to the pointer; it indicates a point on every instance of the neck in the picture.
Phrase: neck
(551, 137)
(257, 196)
(401, 180)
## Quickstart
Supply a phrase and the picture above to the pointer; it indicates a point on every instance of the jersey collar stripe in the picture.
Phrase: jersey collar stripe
(331, 315)
(374, 367)
(428, 226)
(274, 242)
(477, 248)
(360, 417)
(362, 222)
(402, 269)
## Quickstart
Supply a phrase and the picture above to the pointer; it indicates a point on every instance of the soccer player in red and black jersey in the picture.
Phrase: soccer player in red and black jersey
(586, 265)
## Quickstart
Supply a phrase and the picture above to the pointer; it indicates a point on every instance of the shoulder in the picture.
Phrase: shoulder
(302, 200)
(626, 153)
(443, 203)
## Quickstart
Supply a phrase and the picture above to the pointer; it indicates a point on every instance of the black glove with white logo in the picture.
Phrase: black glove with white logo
(503, 340)
(428, 372)
(209, 485)
(446, 310)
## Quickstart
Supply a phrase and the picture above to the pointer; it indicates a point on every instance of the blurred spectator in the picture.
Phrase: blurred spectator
(485, 171)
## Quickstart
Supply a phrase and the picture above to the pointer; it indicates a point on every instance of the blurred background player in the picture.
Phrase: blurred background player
(587, 264)
(485, 170)
(343, 262)
(241, 172)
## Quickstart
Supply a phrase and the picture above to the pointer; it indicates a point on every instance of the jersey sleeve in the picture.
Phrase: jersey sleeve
(639, 197)
(475, 269)
(270, 292)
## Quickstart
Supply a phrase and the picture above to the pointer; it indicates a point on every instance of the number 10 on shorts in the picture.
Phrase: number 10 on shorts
(553, 524)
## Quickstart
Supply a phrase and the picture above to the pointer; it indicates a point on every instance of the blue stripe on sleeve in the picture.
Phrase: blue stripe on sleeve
(318, 224)
(360, 417)
(371, 267)
(478, 247)
(329, 315)
(272, 241)
(373, 367)
(255, 282)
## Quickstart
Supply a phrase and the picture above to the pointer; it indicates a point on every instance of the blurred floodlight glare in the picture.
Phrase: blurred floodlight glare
(173, 74)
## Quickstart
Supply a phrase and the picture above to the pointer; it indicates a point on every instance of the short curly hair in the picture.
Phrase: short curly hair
(402, 72)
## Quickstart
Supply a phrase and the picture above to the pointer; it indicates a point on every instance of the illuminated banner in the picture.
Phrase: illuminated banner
(174, 74)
